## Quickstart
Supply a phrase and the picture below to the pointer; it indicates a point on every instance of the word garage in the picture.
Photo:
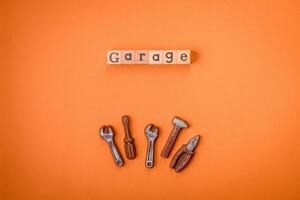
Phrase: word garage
(148, 57)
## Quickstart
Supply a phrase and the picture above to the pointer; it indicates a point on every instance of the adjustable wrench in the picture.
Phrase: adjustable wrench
(151, 132)
(106, 132)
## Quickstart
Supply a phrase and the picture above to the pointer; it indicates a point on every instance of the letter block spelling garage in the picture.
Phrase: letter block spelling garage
(149, 57)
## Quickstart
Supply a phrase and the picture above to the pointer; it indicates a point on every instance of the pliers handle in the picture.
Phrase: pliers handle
(181, 158)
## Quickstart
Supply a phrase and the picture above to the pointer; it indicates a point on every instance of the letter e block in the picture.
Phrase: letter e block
(183, 57)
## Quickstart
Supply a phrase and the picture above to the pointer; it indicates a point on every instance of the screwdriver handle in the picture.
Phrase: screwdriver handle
(128, 140)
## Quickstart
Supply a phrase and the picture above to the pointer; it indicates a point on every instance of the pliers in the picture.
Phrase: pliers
(184, 154)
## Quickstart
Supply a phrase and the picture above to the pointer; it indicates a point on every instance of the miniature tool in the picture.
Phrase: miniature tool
(128, 140)
(184, 154)
(151, 132)
(178, 125)
(107, 133)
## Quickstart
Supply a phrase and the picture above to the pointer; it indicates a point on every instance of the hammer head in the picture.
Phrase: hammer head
(179, 122)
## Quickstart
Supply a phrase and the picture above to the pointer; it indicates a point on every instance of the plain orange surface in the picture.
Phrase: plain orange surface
(241, 94)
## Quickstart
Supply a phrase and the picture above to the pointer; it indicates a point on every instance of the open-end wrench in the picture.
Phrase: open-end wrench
(106, 132)
(151, 132)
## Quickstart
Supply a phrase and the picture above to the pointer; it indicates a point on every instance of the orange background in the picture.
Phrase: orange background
(241, 94)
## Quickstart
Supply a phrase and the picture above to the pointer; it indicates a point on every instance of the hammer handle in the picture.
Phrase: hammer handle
(170, 142)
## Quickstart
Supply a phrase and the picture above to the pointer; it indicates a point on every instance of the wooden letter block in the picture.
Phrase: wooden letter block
(141, 57)
(183, 57)
(155, 57)
(169, 56)
(113, 57)
(148, 57)
(127, 56)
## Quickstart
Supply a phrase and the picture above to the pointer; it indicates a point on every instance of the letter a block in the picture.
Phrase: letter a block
(127, 57)
(155, 57)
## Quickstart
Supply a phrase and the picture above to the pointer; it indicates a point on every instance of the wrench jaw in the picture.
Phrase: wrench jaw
(151, 131)
(107, 133)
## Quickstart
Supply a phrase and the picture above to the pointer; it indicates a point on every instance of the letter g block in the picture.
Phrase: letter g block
(113, 57)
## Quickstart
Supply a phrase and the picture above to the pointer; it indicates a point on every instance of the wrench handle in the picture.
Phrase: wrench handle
(115, 153)
(170, 142)
(149, 156)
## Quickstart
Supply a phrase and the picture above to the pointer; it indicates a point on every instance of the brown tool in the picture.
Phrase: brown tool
(128, 140)
(184, 154)
(178, 125)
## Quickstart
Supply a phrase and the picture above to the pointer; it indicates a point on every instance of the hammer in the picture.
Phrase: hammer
(178, 125)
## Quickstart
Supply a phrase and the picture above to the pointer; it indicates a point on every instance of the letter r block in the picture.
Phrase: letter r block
(113, 57)
(141, 57)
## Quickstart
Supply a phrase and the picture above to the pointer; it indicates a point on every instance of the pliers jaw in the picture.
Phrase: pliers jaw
(193, 142)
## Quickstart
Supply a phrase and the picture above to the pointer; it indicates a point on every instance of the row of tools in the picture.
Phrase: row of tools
(179, 161)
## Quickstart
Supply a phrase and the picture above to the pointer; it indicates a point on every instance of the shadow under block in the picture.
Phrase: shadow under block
(151, 57)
